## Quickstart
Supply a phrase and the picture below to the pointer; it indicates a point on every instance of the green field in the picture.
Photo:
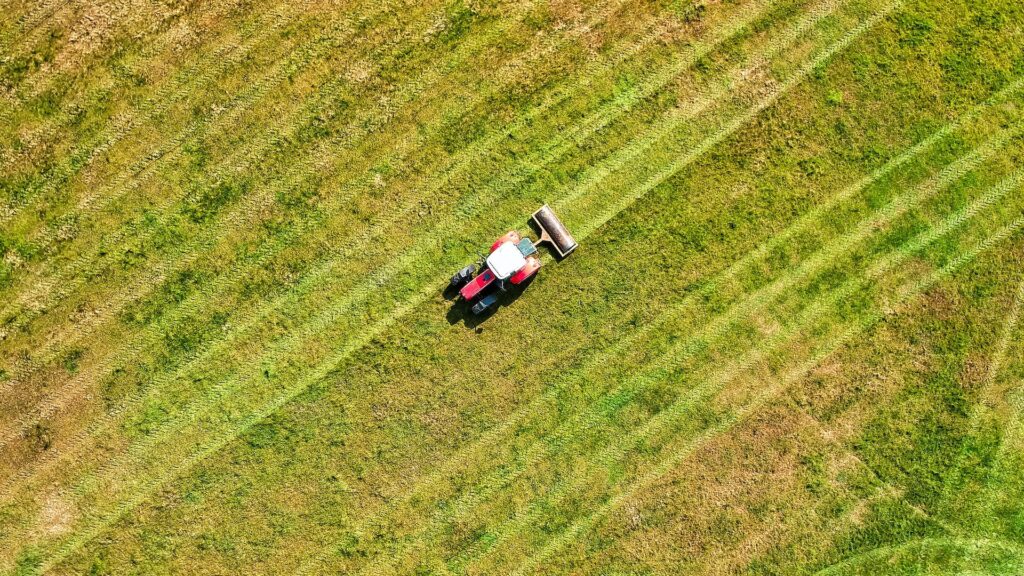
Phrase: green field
(789, 343)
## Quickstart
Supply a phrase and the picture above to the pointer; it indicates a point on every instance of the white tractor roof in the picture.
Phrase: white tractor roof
(506, 260)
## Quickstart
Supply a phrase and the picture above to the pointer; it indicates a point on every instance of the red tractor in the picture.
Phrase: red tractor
(513, 260)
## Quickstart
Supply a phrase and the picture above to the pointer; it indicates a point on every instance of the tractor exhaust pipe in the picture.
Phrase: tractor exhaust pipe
(554, 232)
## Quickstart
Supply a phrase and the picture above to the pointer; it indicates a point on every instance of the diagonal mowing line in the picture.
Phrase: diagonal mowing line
(986, 402)
(659, 369)
(678, 116)
(969, 544)
(64, 398)
(110, 306)
(128, 181)
(151, 483)
(148, 55)
(26, 24)
(719, 326)
(240, 217)
(311, 280)
(683, 161)
(170, 94)
(768, 394)
(492, 436)
(438, 184)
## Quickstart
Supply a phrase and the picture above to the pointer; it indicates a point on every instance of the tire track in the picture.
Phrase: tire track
(1013, 431)
(25, 25)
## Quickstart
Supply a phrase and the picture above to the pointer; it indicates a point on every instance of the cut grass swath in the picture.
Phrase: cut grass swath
(766, 395)
(311, 280)
(717, 327)
(240, 217)
(70, 392)
(144, 486)
(706, 145)
(494, 435)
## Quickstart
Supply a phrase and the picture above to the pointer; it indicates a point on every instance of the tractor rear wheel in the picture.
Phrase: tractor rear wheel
(460, 278)
(485, 304)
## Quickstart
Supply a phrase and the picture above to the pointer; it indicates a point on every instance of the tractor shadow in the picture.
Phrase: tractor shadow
(460, 310)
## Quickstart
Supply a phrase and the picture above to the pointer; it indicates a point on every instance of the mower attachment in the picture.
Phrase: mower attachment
(553, 231)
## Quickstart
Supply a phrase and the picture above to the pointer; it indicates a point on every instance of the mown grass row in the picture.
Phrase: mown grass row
(244, 323)
(697, 341)
(982, 301)
(237, 218)
(718, 287)
(935, 555)
(27, 22)
(978, 484)
(255, 35)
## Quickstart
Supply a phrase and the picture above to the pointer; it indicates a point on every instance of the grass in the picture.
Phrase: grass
(787, 344)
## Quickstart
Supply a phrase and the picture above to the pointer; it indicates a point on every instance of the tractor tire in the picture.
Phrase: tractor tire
(462, 277)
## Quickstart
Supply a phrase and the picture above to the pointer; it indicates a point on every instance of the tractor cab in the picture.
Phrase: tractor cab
(508, 258)
(512, 259)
